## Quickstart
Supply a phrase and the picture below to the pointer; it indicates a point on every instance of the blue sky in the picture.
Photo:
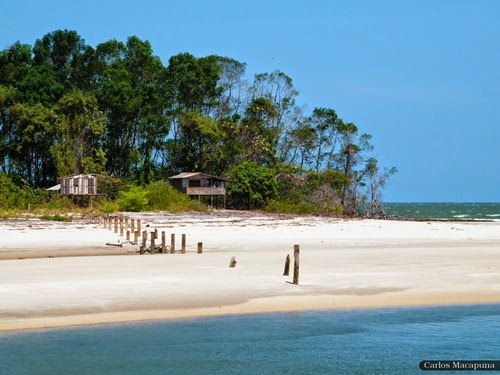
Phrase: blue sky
(423, 77)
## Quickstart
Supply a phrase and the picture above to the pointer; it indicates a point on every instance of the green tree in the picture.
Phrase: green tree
(61, 53)
(232, 87)
(7, 99)
(192, 83)
(251, 185)
(277, 87)
(257, 134)
(133, 95)
(377, 180)
(78, 148)
(34, 132)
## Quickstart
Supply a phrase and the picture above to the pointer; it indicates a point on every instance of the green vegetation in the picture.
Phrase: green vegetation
(57, 218)
(115, 109)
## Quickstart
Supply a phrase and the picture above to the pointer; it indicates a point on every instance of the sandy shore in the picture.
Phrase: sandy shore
(49, 276)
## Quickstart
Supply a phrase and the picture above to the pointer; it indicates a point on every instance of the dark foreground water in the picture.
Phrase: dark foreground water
(375, 341)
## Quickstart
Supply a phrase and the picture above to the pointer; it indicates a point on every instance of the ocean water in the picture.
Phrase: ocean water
(369, 341)
(447, 211)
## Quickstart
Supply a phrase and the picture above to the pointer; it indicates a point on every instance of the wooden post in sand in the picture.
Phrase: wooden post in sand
(132, 227)
(172, 243)
(163, 242)
(136, 237)
(121, 226)
(116, 224)
(183, 244)
(144, 240)
(153, 236)
(139, 225)
(128, 236)
(200, 248)
(296, 264)
(286, 272)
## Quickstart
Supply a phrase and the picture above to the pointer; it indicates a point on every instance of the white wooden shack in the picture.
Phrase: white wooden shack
(80, 184)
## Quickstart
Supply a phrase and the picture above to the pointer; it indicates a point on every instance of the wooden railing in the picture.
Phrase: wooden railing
(206, 191)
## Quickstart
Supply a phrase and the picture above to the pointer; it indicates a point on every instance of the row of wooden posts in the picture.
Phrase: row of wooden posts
(121, 224)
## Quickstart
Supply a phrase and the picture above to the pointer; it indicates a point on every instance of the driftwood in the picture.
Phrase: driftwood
(114, 244)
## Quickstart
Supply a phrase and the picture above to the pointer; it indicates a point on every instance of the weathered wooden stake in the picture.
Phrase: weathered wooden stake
(139, 225)
(126, 223)
(286, 272)
(121, 226)
(105, 222)
(232, 263)
(153, 236)
(132, 227)
(183, 244)
(128, 236)
(156, 234)
(144, 240)
(296, 264)
(172, 243)
(163, 242)
(116, 224)
(200, 247)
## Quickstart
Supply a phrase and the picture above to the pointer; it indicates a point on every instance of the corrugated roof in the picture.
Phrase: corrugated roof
(194, 174)
(55, 187)
(186, 174)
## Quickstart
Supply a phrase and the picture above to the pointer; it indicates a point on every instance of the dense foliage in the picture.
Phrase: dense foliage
(116, 109)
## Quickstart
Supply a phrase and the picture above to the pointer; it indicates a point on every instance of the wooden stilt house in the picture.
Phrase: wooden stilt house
(200, 184)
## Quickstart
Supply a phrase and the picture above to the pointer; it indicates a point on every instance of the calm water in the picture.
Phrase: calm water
(375, 341)
(455, 211)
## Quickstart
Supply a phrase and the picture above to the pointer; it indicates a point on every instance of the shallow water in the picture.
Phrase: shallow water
(372, 341)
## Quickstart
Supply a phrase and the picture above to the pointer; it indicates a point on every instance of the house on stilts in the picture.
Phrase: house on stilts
(200, 184)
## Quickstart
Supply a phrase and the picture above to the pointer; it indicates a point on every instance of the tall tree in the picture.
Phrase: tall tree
(377, 180)
(278, 88)
(7, 99)
(192, 83)
(78, 148)
(34, 132)
(132, 94)
(232, 86)
(60, 53)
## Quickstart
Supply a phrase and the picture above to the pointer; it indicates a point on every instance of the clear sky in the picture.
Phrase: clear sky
(423, 77)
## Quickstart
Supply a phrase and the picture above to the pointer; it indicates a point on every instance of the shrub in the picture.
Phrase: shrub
(57, 218)
(133, 200)
(162, 196)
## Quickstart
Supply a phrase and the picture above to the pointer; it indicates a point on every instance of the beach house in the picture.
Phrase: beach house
(200, 184)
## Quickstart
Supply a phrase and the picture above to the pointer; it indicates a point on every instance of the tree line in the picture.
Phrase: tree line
(115, 109)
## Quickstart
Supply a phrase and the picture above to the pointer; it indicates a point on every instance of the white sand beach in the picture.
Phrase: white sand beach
(50, 275)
